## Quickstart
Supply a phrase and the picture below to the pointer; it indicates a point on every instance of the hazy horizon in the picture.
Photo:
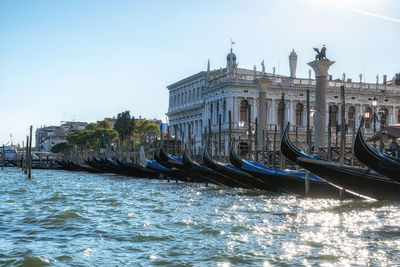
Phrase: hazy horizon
(86, 60)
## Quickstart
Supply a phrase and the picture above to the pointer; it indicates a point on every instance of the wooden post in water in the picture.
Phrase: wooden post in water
(329, 133)
(255, 140)
(229, 131)
(168, 141)
(205, 136)
(296, 135)
(189, 139)
(219, 137)
(308, 137)
(343, 123)
(249, 141)
(209, 145)
(274, 148)
(30, 153)
(282, 158)
(26, 155)
(3, 158)
(353, 136)
(267, 149)
(176, 141)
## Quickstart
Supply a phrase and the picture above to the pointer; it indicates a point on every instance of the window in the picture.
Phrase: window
(333, 116)
(211, 113)
(384, 115)
(398, 116)
(244, 109)
(299, 114)
(351, 117)
(217, 112)
(224, 111)
(367, 121)
(281, 109)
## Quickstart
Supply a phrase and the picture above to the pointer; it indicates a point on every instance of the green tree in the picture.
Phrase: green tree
(61, 147)
(104, 124)
(145, 128)
(124, 125)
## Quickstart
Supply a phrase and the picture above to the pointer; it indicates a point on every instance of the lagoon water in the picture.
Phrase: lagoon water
(63, 218)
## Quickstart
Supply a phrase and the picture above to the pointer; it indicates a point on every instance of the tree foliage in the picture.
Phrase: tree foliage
(125, 124)
(145, 127)
(104, 124)
(61, 147)
(92, 138)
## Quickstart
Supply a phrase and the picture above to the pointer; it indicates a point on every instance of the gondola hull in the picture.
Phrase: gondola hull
(381, 163)
(369, 185)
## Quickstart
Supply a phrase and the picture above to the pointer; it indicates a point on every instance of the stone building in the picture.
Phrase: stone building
(47, 137)
(211, 94)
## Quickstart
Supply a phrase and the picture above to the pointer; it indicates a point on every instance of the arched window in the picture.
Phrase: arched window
(398, 116)
(224, 111)
(211, 112)
(299, 114)
(333, 116)
(217, 112)
(351, 117)
(367, 121)
(384, 112)
(281, 107)
(244, 108)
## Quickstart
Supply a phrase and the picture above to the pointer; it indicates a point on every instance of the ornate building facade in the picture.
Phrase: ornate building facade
(211, 95)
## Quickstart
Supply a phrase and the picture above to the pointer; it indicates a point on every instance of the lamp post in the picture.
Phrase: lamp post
(374, 118)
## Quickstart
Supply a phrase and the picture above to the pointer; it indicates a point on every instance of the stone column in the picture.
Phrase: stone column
(262, 85)
(292, 112)
(321, 72)
(273, 112)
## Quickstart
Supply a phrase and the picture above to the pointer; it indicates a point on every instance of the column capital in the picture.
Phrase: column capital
(321, 67)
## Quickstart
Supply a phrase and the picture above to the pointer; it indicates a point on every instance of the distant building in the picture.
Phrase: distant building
(47, 137)
(211, 94)
(10, 153)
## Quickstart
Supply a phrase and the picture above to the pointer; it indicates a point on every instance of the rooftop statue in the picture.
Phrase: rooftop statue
(321, 55)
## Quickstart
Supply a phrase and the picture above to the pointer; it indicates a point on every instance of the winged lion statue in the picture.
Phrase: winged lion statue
(321, 55)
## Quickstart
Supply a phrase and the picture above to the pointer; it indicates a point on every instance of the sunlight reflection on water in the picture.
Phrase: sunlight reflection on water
(66, 218)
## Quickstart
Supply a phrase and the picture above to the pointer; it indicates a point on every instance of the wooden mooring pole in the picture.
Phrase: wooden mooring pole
(274, 148)
(230, 131)
(3, 158)
(219, 137)
(343, 123)
(26, 155)
(30, 153)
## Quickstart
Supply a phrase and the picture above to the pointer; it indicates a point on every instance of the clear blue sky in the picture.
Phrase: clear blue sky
(84, 60)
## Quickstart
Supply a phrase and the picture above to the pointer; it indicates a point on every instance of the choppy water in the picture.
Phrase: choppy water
(62, 218)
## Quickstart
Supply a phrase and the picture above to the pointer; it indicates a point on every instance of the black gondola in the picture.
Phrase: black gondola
(176, 162)
(137, 170)
(377, 161)
(202, 170)
(287, 181)
(160, 169)
(235, 174)
(370, 185)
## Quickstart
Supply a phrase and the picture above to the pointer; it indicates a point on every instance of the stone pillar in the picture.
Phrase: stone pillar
(292, 112)
(321, 72)
(262, 85)
(293, 64)
(273, 112)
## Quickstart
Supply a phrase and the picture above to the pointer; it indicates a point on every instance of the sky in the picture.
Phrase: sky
(84, 60)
